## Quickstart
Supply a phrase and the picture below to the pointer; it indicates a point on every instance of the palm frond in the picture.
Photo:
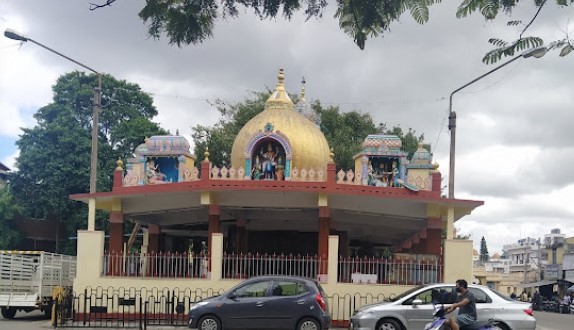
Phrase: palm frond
(497, 42)
(467, 7)
(419, 11)
(490, 9)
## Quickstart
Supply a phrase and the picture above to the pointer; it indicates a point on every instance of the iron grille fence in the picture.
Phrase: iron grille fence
(139, 308)
(411, 270)
(249, 265)
(401, 270)
(160, 265)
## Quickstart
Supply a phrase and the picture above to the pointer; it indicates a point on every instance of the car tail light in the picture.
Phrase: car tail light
(528, 311)
(321, 301)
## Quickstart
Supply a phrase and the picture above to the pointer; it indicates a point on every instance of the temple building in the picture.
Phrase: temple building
(281, 207)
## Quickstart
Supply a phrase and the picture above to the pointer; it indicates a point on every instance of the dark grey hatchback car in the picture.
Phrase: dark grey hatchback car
(265, 302)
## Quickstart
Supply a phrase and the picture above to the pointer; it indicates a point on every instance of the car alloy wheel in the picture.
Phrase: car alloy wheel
(308, 324)
(209, 323)
(389, 324)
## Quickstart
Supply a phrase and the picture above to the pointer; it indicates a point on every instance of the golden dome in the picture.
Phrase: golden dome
(307, 146)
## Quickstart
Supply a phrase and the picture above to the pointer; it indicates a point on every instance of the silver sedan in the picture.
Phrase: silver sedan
(414, 308)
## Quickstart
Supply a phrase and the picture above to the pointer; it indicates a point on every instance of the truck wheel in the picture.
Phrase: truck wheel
(8, 312)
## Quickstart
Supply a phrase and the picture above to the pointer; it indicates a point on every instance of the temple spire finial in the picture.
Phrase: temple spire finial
(281, 81)
(279, 98)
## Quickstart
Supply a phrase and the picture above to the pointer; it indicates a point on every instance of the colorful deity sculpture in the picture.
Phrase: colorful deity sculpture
(153, 173)
(256, 170)
(269, 162)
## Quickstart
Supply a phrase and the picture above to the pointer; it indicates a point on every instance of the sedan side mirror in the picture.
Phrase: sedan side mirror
(232, 295)
(417, 302)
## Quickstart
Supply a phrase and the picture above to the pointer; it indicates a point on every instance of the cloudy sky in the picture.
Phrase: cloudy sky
(514, 137)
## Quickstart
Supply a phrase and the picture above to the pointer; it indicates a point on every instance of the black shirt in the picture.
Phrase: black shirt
(469, 308)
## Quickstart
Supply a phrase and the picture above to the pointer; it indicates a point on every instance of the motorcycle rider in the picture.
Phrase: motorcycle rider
(465, 302)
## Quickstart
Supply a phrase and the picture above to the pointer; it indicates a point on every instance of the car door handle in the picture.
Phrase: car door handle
(301, 302)
(259, 303)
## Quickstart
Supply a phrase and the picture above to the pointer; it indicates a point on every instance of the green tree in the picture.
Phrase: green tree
(193, 21)
(344, 131)
(484, 257)
(54, 159)
(10, 238)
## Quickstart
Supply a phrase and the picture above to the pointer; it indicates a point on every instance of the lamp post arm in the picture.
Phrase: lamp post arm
(480, 77)
(452, 123)
(64, 56)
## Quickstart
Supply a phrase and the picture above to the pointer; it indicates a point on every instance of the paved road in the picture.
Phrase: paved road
(36, 320)
(554, 321)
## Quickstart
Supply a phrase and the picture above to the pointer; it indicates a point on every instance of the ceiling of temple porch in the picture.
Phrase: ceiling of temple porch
(382, 228)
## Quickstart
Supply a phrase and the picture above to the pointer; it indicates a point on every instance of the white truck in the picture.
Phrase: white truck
(27, 279)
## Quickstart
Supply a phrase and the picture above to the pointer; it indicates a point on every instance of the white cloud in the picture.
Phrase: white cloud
(24, 82)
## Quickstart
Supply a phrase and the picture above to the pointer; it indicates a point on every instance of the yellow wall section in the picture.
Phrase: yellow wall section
(457, 260)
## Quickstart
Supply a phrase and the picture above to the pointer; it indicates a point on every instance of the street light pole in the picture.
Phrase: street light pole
(535, 52)
(11, 34)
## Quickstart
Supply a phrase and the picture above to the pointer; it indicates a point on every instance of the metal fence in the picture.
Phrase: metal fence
(158, 265)
(411, 270)
(250, 265)
(401, 270)
(132, 308)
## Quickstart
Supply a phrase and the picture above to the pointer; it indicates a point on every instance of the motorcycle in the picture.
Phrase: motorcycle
(439, 317)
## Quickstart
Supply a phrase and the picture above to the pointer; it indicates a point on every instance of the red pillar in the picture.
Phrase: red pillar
(324, 230)
(118, 175)
(213, 227)
(418, 244)
(435, 182)
(116, 242)
(331, 174)
(116, 232)
(153, 244)
(434, 236)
